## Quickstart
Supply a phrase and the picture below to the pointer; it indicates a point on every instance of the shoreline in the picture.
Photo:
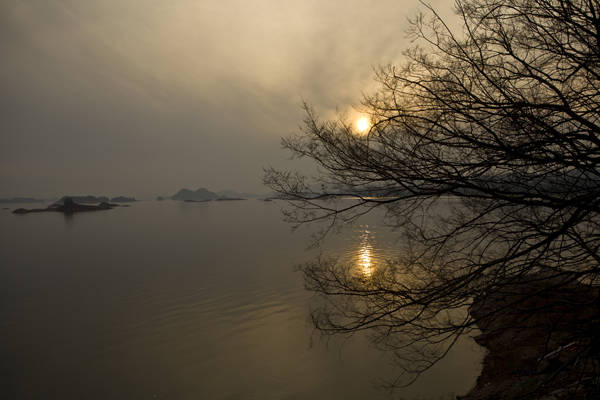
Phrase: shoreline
(542, 343)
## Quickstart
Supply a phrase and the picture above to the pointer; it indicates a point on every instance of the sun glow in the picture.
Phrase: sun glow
(362, 125)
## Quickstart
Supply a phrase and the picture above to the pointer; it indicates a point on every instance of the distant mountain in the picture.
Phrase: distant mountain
(20, 200)
(199, 194)
(84, 199)
(123, 199)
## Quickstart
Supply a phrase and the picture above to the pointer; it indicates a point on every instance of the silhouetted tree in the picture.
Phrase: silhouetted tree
(485, 148)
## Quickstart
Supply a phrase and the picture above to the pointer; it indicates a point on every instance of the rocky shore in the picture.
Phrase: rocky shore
(542, 336)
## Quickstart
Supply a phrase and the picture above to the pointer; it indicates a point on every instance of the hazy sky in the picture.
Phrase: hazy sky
(143, 97)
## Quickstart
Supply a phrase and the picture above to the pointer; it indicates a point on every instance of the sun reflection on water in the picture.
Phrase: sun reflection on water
(364, 261)
(365, 255)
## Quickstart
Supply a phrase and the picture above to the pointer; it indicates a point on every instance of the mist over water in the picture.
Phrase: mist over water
(185, 301)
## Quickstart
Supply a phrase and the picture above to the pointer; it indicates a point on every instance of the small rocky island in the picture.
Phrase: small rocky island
(203, 195)
(68, 206)
(88, 199)
(123, 199)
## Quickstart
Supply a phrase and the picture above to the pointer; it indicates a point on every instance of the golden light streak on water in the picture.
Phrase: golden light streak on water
(364, 261)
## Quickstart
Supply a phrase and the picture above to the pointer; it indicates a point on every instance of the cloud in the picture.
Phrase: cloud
(143, 96)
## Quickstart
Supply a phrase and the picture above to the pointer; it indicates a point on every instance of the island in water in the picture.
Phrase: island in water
(67, 205)
(197, 195)
(123, 199)
(202, 195)
(88, 199)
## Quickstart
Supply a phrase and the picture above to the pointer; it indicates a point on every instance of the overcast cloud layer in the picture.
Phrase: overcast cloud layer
(145, 97)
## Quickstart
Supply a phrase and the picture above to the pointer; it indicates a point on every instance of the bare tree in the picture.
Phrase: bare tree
(485, 148)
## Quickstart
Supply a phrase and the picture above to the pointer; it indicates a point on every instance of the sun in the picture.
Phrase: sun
(362, 125)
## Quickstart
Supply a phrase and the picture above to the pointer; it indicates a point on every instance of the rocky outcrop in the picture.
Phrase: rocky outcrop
(541, 334)
(89, 199)
(68, 206)
(199, 194)
(123, 199)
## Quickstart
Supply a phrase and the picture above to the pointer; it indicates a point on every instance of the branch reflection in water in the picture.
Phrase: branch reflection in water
(365, 254)
(362, 289)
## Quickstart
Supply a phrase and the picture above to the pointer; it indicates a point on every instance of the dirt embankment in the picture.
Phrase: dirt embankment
(542, 335)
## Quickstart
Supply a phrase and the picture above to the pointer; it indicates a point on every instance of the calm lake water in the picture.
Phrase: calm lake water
(175, 300)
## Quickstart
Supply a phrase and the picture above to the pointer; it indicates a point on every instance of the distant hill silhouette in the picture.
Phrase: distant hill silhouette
(84, 199)
(198, 195)
(203, 194)
(123, 199)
